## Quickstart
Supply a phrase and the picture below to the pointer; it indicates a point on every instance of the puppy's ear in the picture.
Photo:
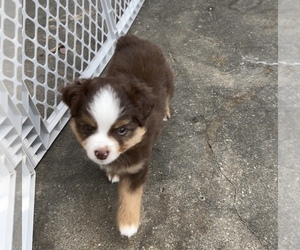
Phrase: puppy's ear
(143, 101)
(73, 95)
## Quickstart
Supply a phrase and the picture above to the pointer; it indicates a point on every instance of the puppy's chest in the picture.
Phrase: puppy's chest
(119, 169)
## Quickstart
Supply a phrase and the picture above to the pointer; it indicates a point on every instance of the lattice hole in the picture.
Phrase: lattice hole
(29, 52)
(52, 26)
(40, 74)
(71, 41)
(40, 56)
(51, 80)
(40, 93)
(10, 9)
(61, 68)
(30, 87)
(9, 49)
(29, 29)
(59, 85)
(51, 98)
(30, 9)
(70, 74)
(9, 86)
(42, 17)
(9, 28)
(41, 36)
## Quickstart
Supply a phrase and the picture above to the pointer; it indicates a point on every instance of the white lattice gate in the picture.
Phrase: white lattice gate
(43, 45)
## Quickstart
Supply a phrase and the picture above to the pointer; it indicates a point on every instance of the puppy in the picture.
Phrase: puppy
(117, 119)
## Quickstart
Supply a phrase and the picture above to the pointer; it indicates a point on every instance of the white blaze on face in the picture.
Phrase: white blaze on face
(105, 109)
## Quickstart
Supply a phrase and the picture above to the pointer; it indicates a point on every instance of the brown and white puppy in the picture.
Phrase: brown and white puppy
(117, 119)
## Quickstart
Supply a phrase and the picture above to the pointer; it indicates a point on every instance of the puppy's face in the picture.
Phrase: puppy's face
(108, 115)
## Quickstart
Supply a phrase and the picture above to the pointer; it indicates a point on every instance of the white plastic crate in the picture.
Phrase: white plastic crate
(43, 45)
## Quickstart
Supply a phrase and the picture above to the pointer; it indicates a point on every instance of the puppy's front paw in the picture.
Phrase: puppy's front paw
(128, 219)
(113, 177)
(129, 209)
(165, 119)
(128, 230)
(167, 114)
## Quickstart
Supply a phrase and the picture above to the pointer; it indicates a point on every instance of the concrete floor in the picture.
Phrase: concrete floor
(213, 177)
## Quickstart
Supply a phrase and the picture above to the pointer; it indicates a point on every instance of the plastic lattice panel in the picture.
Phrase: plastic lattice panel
(10, 117)
(7, 193)
(119, 8)
(64, 40)
(61, 38)
(124, 12)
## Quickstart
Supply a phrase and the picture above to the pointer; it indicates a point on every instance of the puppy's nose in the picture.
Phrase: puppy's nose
(102, 154)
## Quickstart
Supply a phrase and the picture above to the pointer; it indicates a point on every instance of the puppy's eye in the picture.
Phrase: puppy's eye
(88, 128)
(122, 131)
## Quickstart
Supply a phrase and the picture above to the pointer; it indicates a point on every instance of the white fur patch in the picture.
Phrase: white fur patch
(128, 230)
(113, 178)
(105, 109)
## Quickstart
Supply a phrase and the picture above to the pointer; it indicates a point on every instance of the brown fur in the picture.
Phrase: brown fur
(143, 80)
(75, 131)
(121, 123)
(129, 204)
(134, 140)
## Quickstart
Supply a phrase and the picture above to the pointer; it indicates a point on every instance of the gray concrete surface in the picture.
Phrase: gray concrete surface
(213, 178)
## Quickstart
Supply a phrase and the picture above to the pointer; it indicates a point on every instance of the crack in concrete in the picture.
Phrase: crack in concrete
(232, 184)
(257, 61)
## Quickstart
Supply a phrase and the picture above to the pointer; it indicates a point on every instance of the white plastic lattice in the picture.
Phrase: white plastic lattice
(45, 44)
(10, 117)
(64, 40)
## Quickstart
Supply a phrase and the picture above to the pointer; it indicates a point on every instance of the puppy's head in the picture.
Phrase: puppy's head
(108, 115)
